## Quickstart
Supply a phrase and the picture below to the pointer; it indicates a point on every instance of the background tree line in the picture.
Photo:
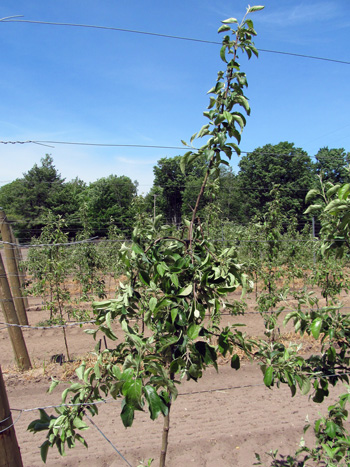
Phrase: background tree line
(237, 197)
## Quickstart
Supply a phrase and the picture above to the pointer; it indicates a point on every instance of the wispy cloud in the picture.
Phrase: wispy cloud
(301, 13)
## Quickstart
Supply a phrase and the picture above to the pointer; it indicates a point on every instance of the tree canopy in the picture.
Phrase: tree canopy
(109, 199)
(332, 165)
(235, 197)
(27, 200)
(282, 164)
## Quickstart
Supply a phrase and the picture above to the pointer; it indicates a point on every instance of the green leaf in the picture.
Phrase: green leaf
(185, 291)
(243, 101)
(155, 403)
(333, 190)
(313, 208)
(219, 119)
(132, 390)
(223, 28)
(53, 385)
(203, 131)
(193, 331)
(212, 102)
(315, 327)
(183, 161)
(127, 414)
(268, 377)
(251, 9)
(344, 191)
(161, 269)
(136, 248)
(239, 119)
(305, 387)
(312, 194)
(152, 303)
(144, 277)
(80, 424)
(97, 370)
(335, 205)
(229, 21)
(173, 313)
(228, 116)
(175, 280)
(223, 52)
(331, 429)
(108, 320)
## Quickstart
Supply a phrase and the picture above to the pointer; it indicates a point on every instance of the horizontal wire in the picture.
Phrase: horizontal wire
(27, 326)
(147, 146)
(78, 323)
(12, 424)
(206, 391)
(112, 400)
(28, 245)
(99, 144)
(49, 244)
(5, 419)
(167, 36)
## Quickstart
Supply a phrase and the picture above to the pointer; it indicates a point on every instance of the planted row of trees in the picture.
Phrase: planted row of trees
(108, 201)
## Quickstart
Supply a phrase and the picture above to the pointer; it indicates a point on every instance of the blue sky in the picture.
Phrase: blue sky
(63, 83)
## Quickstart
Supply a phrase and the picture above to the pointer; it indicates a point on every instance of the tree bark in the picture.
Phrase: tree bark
(10, 455)
(15, 332)
(11, 264)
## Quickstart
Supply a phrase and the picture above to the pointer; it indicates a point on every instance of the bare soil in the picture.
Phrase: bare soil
(220, 421)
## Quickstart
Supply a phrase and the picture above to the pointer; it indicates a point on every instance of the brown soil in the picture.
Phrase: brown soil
(220, 421)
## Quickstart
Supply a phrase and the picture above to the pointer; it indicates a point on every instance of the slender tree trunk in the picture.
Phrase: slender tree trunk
(166, 428)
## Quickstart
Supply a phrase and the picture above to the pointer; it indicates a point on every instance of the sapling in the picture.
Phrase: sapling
(176, 285)
(48, 266)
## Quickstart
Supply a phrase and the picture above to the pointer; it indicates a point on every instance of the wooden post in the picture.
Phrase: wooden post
(10, 455)
(15, 332)
(13, 272)
(19, 259)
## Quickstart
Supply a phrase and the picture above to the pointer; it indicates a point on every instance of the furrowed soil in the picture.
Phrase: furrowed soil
(220, 421)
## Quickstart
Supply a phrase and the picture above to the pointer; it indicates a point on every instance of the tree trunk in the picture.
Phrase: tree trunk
(166, 428)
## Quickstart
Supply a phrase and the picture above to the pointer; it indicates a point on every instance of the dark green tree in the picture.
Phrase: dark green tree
(332, 163)
(28, 199)
(110, 197)
(175, 190)
(282, 164)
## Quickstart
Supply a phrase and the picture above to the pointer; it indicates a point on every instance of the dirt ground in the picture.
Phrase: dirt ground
(220, 421)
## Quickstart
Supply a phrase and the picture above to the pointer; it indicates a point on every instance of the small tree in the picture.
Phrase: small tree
(176, 287)
(48, 267)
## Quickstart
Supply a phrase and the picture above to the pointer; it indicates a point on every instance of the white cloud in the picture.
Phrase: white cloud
(300, 13)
